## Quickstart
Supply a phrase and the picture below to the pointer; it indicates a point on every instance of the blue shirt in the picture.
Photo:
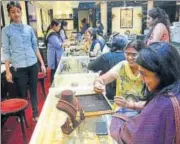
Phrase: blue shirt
(19, 45)
(93, 44)
(54, 51)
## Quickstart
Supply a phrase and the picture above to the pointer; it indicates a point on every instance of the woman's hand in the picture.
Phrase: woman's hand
(9, 77)
(98, 87)
(43, 69)
(98, 90)
(66, 44)
(122, 102)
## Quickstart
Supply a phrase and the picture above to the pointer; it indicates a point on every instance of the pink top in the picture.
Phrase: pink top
(160, 33)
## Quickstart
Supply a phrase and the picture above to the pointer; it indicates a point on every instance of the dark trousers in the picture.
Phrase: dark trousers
(27, 78)
(53, 71)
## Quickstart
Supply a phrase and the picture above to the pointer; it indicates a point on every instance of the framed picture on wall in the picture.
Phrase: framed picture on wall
(126, 18)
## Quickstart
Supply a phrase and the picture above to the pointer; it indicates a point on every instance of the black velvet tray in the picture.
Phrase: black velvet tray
(94, 104)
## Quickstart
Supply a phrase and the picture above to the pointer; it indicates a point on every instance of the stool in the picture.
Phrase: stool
(41, 78)
(16, 107)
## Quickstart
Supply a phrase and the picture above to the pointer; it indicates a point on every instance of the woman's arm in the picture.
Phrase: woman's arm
(101, 81)
(55, 42)
(112, 74)
(122, 102)
(158, 32)
(108, 77)
(36, 50)
(43, 68)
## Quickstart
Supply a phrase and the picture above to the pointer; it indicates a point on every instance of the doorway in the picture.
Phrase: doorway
(82, 14)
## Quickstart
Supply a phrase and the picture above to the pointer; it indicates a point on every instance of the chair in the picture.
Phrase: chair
(16, 107)
(41, 78)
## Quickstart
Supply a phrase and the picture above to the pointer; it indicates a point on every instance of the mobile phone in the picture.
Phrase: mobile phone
(101, 128)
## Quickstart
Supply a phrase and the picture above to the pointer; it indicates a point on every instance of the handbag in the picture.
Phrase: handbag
(70, 105)
(176, 107)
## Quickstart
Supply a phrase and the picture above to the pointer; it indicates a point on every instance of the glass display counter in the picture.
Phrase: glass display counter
(73, 65)
(48, 129)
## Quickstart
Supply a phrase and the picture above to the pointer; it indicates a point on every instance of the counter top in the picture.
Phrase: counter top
(48, 127)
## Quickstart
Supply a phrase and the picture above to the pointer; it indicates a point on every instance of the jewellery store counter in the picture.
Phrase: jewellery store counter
(48, 129)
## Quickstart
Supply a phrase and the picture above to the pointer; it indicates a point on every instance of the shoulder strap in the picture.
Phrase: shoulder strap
(176, 107)
(53, 33)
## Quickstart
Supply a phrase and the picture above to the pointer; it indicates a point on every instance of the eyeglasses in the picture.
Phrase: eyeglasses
(133, 55)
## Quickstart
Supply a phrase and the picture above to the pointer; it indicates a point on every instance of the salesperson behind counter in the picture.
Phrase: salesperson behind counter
(19, 45)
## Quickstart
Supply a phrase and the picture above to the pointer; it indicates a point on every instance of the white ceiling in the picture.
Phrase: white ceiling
(56, 5)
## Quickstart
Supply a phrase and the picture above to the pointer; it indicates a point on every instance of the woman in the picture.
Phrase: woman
(106, 61)
(96, 47)
(100, 27)
(54, 44)
(19, 46)
(63, 28)
(160, 71)
(158, 22)
(84, 25)
(128, 82)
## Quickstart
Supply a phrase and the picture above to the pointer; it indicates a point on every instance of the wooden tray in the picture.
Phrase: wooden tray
(95, 104)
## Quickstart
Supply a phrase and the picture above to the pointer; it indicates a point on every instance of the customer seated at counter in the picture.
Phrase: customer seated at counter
(160, 71)
(106, 61)
(128, 81)
(95, 45)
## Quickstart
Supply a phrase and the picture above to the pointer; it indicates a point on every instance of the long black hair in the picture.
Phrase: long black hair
(136, 44)
(118, 42)
(164, 60)
(53, 22)
(84, 20)
(159, 16)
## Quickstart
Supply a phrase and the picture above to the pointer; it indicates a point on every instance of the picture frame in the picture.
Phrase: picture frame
(126, 18)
